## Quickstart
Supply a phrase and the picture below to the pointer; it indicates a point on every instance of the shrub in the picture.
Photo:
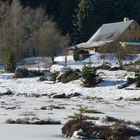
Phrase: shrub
(80, 116)
(88, 110)
(76, 54)
(89, 76)
(35, 73)
(117, 131)
(11, 62)
(54, 76)
(74, 125)
(69, 75)
(138, 81)
(21, 72)
(42, 78)
(80, 54)
(131, 80)
(104, 66)
(35, 121)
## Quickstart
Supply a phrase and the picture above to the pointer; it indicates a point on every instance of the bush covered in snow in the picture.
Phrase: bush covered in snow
(21, 72)
(111, 129)
(54, 76)
(35, 73)
(69, 75)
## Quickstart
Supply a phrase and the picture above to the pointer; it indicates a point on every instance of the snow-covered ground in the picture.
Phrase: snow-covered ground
(25, 102)
(96, 60)
(30, 132)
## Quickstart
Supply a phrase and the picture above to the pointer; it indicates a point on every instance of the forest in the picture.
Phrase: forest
(50, 26)
(81, 18)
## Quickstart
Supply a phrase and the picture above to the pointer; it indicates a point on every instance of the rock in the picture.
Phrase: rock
(11, 108)
(76, 94)
(8, 92)
(43, 108)
(121, 98)
(56, 107)
(124, 85)
(78, 135)
(21, 72)
(114, 68)
(59, 96)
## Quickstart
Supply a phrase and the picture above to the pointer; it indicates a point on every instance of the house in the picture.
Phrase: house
(127, 31)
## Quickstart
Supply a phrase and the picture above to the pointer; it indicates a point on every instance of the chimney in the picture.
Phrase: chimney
(126, 19)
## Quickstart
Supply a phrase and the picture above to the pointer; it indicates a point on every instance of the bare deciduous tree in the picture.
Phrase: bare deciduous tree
(11, 31)
(52, 42)
(119, 50)
(22, 28)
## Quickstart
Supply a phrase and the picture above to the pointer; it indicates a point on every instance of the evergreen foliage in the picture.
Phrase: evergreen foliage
(89, 76)
(76, 54)
(86, 16)
(11, 62)
(69, 75)
(80, 54)
(82, 21)
(138, 81)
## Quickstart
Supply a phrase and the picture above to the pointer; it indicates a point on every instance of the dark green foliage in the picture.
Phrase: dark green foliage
(82, 21)
(79, 54)
(138, 81)
(131, 80)
(11, 62)
(69, 75)
(54, 76)
(76, 54)
(89, 76)
(86, 16)
(42, 78)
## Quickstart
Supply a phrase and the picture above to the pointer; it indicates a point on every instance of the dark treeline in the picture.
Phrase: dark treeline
(81, 18)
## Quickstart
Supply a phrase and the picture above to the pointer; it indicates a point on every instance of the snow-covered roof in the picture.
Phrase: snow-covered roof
(106, 34)
(110, 31)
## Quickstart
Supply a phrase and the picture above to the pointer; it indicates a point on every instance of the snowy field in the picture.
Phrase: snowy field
(26, 132)
(30, 96)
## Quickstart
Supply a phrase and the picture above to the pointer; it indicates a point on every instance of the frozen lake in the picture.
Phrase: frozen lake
(31, 132)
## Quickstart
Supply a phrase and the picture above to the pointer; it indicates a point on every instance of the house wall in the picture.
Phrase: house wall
(132, 33)
(129, 49)
(133, 49)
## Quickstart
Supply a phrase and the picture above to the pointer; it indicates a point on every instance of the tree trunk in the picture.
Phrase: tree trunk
(52, 58)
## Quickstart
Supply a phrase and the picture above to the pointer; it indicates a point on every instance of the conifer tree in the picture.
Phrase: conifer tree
(83, 21)
(11, 63)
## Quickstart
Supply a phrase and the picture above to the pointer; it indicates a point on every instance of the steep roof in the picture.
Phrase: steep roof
(108, 32)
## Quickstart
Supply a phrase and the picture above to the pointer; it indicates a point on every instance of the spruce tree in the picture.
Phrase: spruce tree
(83, 21)
(89, 76)
(11, 63)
